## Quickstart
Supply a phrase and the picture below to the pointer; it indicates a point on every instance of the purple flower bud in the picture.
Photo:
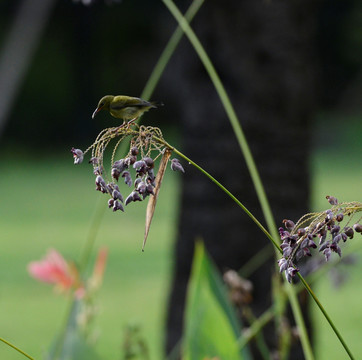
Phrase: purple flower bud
(149, 189)
(337, 238)
(101, 184)
(94, 161)
(339, 217)
(349, 232)
(299, 254)
(133, 196)
(301, 232)
(139, 164)
(283, 234)
(117, 206)
(149, 162)
(120, 165)
(115, 173)
(335, 248)
(324, 246)
(304, 243)
(327, 253)
(141, 188)
(176, 165)
(335, 229)
(117, 195)
(77, 155)
(312, 244)
(98, 170)
(129, 199)
(344, 237)
(288, 224)
(322, 238)
(290, 273)
(127, 178)
(287, 249)
(136, 197)
(332, 200)
(136, 182)
(110, 203)
(357, 228)
(283, 264)
(135, 151)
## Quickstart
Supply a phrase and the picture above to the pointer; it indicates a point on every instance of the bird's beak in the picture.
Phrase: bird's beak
(96, 112)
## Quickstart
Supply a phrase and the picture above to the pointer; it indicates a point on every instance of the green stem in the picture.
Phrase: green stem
(324, 312)
(239, 135)
(92, 234)
(16, 348)
(298, 316)
(290, 289)
(168, 51)
(256, 327)
(223, 188)
(229, 111)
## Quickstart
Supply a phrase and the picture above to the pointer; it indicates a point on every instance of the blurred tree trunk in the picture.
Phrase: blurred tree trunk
(263, 52)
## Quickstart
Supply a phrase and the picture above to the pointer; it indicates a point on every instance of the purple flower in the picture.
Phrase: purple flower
(176, 165)
(77, 155)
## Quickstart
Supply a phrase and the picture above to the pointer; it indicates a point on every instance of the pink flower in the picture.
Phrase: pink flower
(54, 269)
(96, 280)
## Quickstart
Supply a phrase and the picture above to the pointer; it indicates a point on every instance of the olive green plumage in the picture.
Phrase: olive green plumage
(127, 108)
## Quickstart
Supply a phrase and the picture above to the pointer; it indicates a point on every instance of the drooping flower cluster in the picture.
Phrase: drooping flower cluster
(143, 143)
(324, 228)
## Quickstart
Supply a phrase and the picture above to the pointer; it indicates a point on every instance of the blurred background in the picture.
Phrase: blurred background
(293, 73)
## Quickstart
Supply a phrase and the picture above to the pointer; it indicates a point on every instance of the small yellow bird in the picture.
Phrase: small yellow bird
(123, 107)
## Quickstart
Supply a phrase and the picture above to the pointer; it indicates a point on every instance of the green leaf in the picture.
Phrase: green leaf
(211, 326)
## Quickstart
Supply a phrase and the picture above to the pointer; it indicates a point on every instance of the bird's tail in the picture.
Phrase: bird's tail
(157, 104)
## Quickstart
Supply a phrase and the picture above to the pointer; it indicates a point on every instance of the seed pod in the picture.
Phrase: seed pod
(339, 217)
(357, 228)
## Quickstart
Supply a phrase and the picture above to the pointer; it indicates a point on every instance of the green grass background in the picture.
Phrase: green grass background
(47, 202)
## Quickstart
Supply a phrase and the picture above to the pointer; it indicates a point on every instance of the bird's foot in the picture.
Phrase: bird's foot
(131, 122)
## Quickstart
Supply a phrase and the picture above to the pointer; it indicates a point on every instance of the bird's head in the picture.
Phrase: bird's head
(103, 104)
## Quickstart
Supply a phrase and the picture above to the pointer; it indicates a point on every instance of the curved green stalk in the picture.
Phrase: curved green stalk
(223, 188)
(229, 111)
(324, 312)
(290, 289)
(249, 161)
(16, 348)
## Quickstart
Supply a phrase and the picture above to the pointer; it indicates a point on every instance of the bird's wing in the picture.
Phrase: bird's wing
(131, 102)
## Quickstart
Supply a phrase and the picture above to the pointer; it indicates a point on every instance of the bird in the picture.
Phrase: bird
(127, 108)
